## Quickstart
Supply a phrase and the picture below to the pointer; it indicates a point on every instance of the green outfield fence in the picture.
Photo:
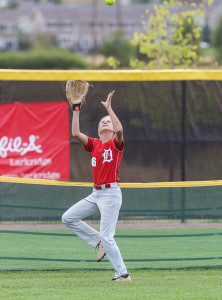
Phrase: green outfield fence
(46, 200)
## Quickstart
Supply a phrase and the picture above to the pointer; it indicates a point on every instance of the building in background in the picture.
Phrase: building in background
(77, 27)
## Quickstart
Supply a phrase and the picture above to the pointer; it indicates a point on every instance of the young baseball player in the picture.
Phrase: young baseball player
(106, 197)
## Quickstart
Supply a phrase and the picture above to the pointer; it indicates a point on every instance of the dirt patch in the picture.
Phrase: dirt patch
(133, 224)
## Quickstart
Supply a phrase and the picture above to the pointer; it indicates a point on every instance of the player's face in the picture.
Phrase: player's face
(105, 124)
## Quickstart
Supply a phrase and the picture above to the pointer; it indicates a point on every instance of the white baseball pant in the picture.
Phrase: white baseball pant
(108, 202)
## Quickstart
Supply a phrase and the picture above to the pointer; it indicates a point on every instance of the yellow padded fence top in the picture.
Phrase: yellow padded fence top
(122, 185)
(110, 75)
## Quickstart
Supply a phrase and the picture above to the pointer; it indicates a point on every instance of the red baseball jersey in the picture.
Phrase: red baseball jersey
(105, 160)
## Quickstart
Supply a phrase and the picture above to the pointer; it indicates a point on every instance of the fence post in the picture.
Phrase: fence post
(183, 149)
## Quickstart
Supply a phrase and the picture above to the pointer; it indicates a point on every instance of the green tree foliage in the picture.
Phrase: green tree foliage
(24, 41)
(42, 59)
(40, 41)
(217, 40)
(171, 41)
(119, 45)
(56, 1)
(44, 41)
(172, 37)
(206, 32)
(12, 5)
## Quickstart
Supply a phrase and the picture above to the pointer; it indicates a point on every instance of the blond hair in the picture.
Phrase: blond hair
(108, 116)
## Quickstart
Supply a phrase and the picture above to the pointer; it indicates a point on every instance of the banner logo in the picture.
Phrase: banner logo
(18, 146)
(39, 150)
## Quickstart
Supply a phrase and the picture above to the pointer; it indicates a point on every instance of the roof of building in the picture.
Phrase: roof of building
(88, 13)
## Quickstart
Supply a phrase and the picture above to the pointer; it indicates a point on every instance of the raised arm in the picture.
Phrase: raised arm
(117, 126)
(76, 130)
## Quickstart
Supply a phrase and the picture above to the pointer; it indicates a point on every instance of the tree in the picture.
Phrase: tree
(206, 32)
(24, 41)
(44, 41)
(170, 41)
(217, 40)
(118, 43)
(172, 35)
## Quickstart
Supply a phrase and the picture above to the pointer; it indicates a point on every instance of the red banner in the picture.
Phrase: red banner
(34, 140)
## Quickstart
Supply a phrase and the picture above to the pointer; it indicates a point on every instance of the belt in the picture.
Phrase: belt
(105, 186)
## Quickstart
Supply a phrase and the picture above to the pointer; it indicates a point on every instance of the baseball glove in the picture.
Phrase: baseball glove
(76, 91)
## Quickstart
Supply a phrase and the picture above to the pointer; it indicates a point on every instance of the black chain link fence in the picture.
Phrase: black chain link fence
(172, 129)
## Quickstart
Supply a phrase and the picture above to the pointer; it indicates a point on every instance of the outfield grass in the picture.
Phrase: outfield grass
(148, 248)
(65, 267)
(91, 284)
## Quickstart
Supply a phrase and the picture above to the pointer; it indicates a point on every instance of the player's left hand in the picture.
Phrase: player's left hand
(107, 103)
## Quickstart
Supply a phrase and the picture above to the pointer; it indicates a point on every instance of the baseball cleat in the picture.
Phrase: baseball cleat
(101, 252)
(125, 277)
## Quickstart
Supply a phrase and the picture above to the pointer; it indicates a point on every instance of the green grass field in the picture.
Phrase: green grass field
(163, 264)
(154, 284)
